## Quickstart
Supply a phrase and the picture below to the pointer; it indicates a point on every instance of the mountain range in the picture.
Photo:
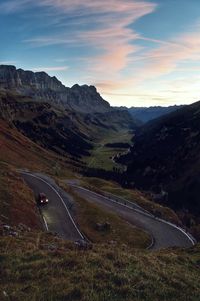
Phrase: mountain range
(146, 114)
(42, 87)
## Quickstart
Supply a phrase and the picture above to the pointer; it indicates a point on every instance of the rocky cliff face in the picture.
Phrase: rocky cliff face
(40, 85)
(12, 78)
(86, 99)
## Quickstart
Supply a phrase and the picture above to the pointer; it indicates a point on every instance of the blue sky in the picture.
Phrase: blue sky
(137, 53)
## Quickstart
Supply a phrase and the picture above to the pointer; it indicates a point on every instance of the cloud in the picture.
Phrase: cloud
(49, 69)
(167, 58)
(60, 60)
(13, 6)
(103, 26)
(108, 85)
(8, 62)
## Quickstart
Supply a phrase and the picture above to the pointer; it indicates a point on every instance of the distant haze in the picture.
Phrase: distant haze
(147, 114)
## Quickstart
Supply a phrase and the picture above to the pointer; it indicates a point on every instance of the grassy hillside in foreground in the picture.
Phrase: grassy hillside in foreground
(38, 267)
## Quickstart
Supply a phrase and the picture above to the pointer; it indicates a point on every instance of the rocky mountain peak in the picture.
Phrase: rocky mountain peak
(41, 86)
(84, 89)
(12, 78)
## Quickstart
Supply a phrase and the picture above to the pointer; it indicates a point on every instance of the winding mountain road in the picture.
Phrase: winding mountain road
(58, 218)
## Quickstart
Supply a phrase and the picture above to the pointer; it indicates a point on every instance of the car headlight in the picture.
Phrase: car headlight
(47, 200)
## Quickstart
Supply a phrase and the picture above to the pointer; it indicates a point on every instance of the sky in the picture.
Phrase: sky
(136, 52)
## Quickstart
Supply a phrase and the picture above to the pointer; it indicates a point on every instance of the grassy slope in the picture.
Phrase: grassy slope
(21, 152)
(39, 267)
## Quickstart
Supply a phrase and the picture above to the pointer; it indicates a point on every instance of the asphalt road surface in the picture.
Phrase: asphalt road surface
(56, 215)
(164, 235)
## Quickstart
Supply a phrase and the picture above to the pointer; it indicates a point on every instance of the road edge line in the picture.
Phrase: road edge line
(193, 241)
(45, 222)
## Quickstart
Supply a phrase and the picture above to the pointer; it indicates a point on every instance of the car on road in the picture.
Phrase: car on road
(42, 199)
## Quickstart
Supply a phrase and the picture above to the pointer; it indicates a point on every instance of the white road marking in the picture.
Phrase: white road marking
(4, 216)
(45, 222)
(6, 203)
(189, 236)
